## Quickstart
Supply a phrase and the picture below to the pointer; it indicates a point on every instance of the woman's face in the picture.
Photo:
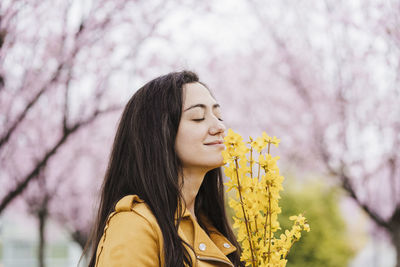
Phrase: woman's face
(199, 140)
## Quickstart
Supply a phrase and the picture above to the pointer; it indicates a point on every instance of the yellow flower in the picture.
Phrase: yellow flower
(259, 144)
(256, 206)
(271, 140)
(232, 138)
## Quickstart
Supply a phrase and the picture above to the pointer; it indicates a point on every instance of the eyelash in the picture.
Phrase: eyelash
(203, 119)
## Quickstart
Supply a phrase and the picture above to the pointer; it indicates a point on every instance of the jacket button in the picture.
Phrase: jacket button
(202, 246)
(226, 245)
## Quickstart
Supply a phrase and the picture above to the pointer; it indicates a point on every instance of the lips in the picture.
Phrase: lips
(215, 142)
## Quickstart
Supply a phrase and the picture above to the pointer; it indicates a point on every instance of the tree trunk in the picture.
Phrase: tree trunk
(42, 216)
(80, 237)
(396, 243)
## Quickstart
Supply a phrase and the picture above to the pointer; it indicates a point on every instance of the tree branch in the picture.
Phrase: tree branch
(22, 185)
(348, 187)
(346, 184)
(6, 136)
(62, 64)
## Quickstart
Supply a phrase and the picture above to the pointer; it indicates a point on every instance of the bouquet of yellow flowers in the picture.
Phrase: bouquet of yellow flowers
(257, 183)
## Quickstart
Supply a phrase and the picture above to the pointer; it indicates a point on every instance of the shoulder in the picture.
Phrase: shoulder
(131, 206)
(133, 213)
(131, 233)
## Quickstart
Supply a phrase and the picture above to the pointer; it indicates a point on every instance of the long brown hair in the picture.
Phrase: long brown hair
(144, 162)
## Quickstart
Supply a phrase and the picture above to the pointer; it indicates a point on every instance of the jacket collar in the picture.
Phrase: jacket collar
(219, 242)
(212, 249)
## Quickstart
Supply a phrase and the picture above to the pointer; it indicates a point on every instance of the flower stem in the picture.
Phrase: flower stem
(251, 162)
(266, 223)
(244, 214)
(259, 167)
(287, 252)
(270, 226)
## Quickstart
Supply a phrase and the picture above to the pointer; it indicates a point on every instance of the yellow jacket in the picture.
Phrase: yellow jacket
(132, 237)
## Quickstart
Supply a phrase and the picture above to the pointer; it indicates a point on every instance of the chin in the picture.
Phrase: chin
(217, 164)
(210, 163)
(220, 164)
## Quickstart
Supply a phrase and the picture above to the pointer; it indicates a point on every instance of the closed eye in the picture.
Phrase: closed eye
(203, 119)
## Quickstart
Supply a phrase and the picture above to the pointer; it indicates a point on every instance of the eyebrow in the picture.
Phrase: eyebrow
(201, 106)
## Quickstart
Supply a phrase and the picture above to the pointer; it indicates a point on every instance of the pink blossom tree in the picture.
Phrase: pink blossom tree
(66, 69)
(324, 77)
(60, 75)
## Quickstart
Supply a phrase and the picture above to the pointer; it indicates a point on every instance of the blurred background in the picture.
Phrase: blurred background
(323, 76)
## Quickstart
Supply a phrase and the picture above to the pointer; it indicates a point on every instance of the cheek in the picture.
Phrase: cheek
(182, 141)
(188, 141)
(188, 134)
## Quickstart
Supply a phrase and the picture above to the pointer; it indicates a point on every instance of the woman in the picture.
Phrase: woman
(162, 200)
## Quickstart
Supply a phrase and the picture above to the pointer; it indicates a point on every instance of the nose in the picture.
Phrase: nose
(217, 127)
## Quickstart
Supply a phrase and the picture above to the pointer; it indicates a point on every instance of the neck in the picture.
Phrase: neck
(193, 178)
